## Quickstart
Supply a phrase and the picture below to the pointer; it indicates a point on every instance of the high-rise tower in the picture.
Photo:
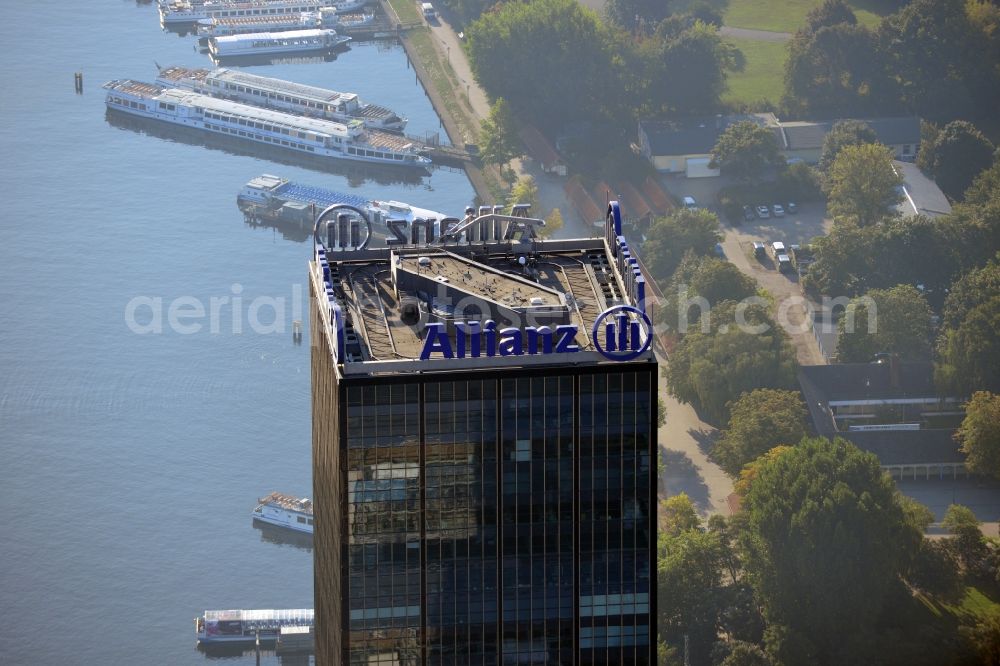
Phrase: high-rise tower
(484, 445)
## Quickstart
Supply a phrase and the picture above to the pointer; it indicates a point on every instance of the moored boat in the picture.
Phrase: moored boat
(252, 44)
(174, 12)
(219, 627)
(282, 510)
(267, 92)
(310, 136)
(324, 18)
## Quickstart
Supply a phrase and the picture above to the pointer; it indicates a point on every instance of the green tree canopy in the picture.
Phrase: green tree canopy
(746, 654)
(679, 515)
(553, 223)
(671, 237)
(970, 352)
(554, 60)
(625, 12)
(836, 70)
(844, 133)
(900, 323)
(957, 154)
(979, 434)
(831, 12)
(500, 143)
(760, 420)
(686, 71)
(863, 183)
(689, 582)
(826, 539)
(698, 284)
(745, 149)
(985, 188)
(710, 370)
(525, 191)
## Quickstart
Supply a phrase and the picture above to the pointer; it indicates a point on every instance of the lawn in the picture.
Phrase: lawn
(788, 15)
(763, 77)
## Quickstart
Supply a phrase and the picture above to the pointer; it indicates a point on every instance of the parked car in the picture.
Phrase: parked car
(763, 213)
(792, 208)
(719, 252)
(778, 210)
(759, 250)
(784, 263)
(689, 202)
(777, 247)
(748, 213)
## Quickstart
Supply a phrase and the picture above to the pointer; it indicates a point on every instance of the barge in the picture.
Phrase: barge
(233, 627)
(328, 17)
(255, 44)
(297, 134)
(288, 96)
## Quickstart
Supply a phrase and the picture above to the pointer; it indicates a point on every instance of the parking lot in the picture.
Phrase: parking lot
(810, 221)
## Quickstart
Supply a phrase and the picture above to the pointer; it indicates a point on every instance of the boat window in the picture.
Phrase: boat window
(310, 521)
(301, 520)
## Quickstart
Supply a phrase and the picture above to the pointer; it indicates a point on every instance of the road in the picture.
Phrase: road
(756, 35)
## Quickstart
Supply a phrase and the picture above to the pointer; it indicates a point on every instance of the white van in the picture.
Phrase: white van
(690, 203)
(428, 10)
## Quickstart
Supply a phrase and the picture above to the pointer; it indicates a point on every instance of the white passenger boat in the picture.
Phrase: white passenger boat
(282, 510)
(276, 43)
(191, 11)
(217, 627)
(328, 17)
(246, 88)
(309, 136)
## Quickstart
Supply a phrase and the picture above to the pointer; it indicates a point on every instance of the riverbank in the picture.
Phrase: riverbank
(450, 94)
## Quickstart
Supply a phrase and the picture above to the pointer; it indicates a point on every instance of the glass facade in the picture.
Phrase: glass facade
(498, 519)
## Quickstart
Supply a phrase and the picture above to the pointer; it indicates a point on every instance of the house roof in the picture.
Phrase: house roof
(802, 134)
(538, 146)
(585, 206)
(693, 136)
(921, 195)
(895, 131)
(908, 447)
(635, 203)
(822, 384)
(869, 381)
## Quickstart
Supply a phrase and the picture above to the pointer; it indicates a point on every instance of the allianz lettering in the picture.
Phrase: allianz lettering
(474, 339)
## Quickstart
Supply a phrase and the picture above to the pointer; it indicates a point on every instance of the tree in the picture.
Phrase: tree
(970, 353)
(958, 153)
(958, 517)
(896, 320)
(984, 635)
(702, 282)
(836, 70)
(844, 133)
(689, 582)
(985, 189)
(709, 370)
(746, 654)
(863, 183)
(686, 71)
(979, 434)
(745, 149)
(759, 421)
(671, 237)
(525, 191)
(831, 12)
(555, 61)
(935, 571)
(826, 540)
(842, 259)
(679, 515)
(634, 14)
(553, 223)
(972, 289)
(938, 55)
(500, 143)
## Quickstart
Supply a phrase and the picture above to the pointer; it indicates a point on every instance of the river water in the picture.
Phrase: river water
(132, 450)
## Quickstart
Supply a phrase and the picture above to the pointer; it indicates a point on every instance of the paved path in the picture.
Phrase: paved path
(757, 35)
(684, 444)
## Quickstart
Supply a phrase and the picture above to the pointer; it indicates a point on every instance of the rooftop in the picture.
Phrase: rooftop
(390, 296)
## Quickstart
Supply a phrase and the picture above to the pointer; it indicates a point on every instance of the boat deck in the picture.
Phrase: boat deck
(302, 505)
(386, 140)
(322, 197)
(137, 88)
